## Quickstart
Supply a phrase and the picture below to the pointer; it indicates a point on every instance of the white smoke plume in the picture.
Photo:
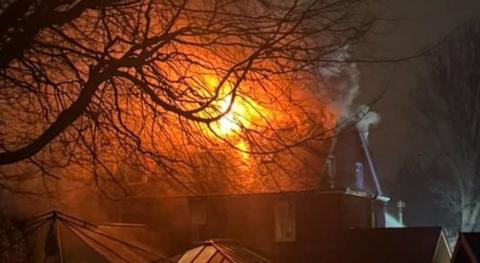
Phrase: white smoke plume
(343, 77)
(366, 118)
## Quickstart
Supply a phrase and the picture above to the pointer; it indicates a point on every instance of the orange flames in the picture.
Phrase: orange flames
(243, 113)
(240, 113)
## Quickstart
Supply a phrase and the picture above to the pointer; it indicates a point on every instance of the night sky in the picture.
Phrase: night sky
(412, 25)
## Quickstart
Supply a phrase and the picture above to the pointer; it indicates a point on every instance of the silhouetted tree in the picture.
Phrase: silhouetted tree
(14, 244)
(88, 85)
(22, 20)
(450, 103)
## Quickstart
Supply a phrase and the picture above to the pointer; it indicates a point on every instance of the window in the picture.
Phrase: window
(133, 174)
(359, 176)
(199, 215)
(136, 179)
(285, 225)
(199, 220)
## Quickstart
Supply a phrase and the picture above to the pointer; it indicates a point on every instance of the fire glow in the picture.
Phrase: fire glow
(239, 114)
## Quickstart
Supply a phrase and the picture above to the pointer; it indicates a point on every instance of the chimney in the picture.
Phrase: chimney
(331, 170)
(400, 207)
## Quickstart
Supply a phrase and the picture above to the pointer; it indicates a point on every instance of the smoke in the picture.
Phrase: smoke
(343, 78)
(366, 118)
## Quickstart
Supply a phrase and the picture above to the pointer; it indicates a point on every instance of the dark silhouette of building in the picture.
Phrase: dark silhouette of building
(340, 219)
(467, 249)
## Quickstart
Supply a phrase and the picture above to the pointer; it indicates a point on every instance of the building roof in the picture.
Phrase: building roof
(309, 173)
(346, 191)
(413, 244)
(66, 238)
(351, 138)
(216, 251)
(369, 245)
(467, 248)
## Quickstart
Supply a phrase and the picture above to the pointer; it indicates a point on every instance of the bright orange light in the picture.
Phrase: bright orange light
(243, 147)
(239, 114)
(229, 124)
